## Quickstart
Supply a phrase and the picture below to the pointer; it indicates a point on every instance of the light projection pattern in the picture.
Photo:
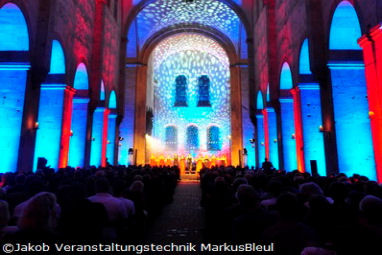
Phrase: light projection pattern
(205, 13)
(191, 55)
(138, 1)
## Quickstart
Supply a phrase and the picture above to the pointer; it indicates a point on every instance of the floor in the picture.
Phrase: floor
(182, 220)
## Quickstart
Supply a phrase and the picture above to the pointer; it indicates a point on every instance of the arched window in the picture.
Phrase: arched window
(171, 138)
(213, 138)
(345, 28)
(204, 91)
(180, 91)
(192, 138)
(102, 95)
(304, 58)
(112, 100)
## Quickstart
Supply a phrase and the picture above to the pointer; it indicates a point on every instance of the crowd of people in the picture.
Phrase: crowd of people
(300, 213)
(113, 203)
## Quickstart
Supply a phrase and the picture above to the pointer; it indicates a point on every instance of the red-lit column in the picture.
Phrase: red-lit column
(298, 128)
(104, 136)
(372, 54)
(66, 127)
(266, 133)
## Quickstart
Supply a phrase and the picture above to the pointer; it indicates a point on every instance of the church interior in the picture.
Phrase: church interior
(257, 111)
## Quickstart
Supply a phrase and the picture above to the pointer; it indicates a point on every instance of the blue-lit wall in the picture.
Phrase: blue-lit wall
(12, 90)
(260, 138)
(126, 127)
(50, 122)
(248, 133)
(289, 144)
(354, 141)
(78, 139)
(96, 141)
(311, 120)
(13, 37)
(111, 138)
(192, 63)
(50, 112)
(273, 140)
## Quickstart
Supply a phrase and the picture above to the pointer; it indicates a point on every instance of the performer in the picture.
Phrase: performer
(161, 161)
(176, 163)
(213, 161)
(182, 165)
(189, 162)
(206, 163)
(199, 164)
(168, 162)
(153, 162)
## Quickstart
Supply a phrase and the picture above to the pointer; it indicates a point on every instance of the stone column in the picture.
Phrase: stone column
(298, 129)
(236, 118)
(140, 116)
(66, 131)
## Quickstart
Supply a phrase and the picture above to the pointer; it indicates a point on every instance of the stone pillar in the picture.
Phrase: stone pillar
(372, 55)
(266, 133)
(236, 120)
(312, 121)
(260, 140)
(66, 131)
(111, 138)
(247, 124)
(97, 137)
(273, 140)
(351, 108)
(127, 125)
(79, 127)
(140, 116)
(50, 117)
(288, 136)
(104, 136)
(298, 129)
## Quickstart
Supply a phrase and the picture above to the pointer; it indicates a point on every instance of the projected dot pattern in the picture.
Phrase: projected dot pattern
(203, 13)
(173, 57)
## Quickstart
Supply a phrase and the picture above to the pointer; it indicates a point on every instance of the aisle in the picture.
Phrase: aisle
(182, 220)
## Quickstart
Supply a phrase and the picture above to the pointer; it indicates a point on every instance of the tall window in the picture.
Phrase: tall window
(192, 138)
(171, 138)
(204, 91)
(213, 138)
(180, 91)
